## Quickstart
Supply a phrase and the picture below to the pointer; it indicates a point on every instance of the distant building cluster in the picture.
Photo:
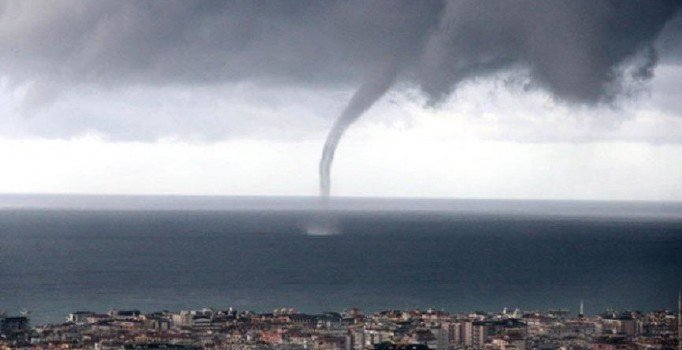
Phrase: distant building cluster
(349, 330)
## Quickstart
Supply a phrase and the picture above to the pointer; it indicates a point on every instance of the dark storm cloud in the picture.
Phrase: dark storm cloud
(669, 44)
(189, 42)
(574, 49)
(580, 51)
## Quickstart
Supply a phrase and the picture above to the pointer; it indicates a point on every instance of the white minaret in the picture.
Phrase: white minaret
(582, 309)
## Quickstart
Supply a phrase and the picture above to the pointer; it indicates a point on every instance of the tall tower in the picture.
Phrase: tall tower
(582, 310)
(679, 320)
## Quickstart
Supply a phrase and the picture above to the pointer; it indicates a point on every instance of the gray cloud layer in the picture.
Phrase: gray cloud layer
(580, 51)
(577, 50)
(181, 42)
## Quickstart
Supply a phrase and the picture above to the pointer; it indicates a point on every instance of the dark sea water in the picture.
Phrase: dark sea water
(61, 254)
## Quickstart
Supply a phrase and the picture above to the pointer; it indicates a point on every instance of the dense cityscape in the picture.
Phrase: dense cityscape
(351, 329)
(341, 174)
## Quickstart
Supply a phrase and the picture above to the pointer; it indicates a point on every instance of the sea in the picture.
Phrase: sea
(60, 254)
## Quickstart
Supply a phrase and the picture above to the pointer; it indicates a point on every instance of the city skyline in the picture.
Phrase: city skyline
(350, 329)
(440, 174)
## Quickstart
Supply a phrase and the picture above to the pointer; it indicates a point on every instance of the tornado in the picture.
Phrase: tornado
(368, 93)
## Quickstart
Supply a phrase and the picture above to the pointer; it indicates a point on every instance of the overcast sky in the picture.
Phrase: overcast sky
(464, 99)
